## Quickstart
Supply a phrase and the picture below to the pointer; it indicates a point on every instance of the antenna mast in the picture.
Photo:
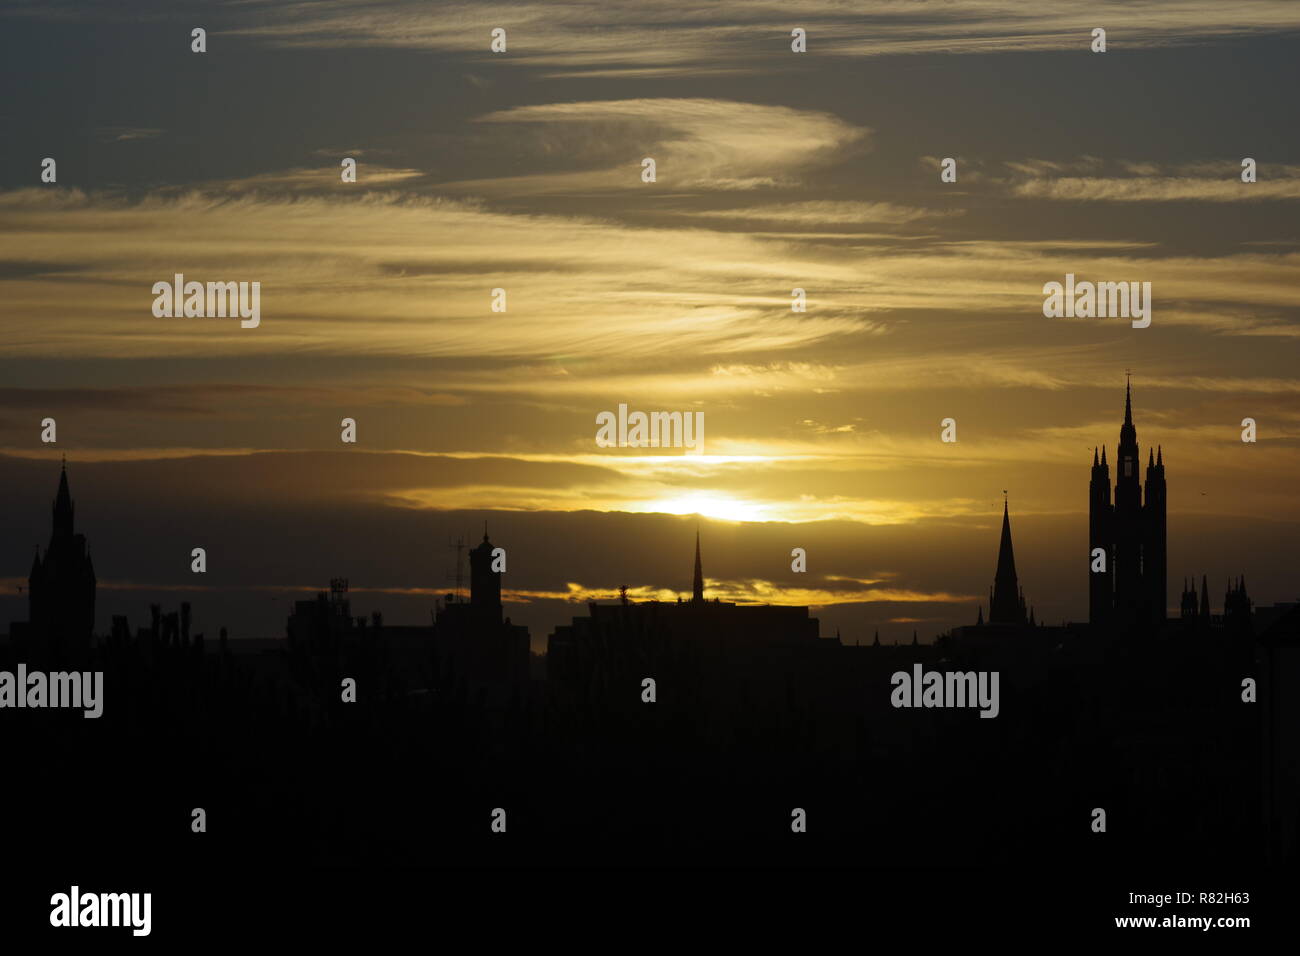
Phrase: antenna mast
(459, 575)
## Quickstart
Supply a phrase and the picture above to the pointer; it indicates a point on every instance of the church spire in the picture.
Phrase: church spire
(1006, 556)
(63, 507)
(1128, 442)
(1006, 606)
(698, 595)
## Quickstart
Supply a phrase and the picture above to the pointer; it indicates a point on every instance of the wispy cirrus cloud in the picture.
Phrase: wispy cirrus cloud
(1157, 189)
(697, 144)
(126, 134)
(215, 398)
(822, 213)
(319, 179)
(1202, 181)
(570, 37)
(371, 273)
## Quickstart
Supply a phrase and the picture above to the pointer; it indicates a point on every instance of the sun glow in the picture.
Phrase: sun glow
(710, 505)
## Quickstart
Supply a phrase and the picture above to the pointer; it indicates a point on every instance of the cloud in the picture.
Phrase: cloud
(593, 305)
(1199, 181)
(1153, 189)
(1043, 167)
(697, 144)
(214, 399)
(375, 273)
(125, 134)
(829, 213)
(674, 37)
(318, 178)
(749, 591)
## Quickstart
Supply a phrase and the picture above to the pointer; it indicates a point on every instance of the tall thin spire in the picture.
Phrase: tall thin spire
(1006, 605)
(63, 507)
(1006, 555)
(1128, 446)
(698, 595)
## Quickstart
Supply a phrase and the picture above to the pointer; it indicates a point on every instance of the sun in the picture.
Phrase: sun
(710, 505)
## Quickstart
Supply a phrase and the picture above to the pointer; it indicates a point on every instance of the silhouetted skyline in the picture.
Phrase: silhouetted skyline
(520, 171)
(258, 609)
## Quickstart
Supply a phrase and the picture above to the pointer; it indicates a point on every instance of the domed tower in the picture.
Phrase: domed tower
(484, 583)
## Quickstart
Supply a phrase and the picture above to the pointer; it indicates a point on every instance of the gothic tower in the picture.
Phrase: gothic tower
(1127, 533)
(1188, 609)
(61, 587)
(1154, 557)
(1132, 591)
(1101, 584)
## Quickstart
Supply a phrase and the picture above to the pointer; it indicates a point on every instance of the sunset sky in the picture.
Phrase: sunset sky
(522, 170)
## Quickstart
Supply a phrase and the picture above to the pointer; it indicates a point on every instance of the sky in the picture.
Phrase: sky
(522, 170)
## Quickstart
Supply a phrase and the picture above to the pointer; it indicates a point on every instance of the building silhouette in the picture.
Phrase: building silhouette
(472, 640)
(741, 638)
(1189, 610)
(1008, 612)
(324, 625)
(1007, 602)
(1131, 533)
(753, 708)
(474, 635)
(60, 591)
